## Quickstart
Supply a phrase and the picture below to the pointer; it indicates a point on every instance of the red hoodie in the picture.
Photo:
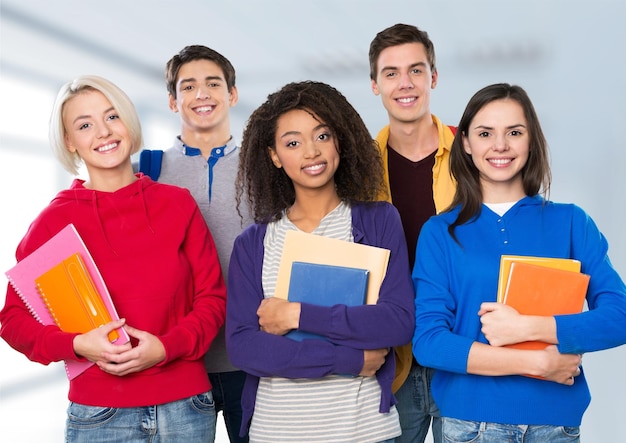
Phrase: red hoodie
(159, 262)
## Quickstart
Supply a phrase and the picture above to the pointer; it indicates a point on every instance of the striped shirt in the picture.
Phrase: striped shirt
(336, 408)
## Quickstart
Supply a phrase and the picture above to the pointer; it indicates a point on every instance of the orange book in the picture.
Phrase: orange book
(544, 291)
(551, 262)
(71, 297)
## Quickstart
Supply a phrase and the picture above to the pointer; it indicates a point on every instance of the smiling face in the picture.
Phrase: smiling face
(403, 81)
(203, 99)
(94, 130)
(498, 142)
(307, 150)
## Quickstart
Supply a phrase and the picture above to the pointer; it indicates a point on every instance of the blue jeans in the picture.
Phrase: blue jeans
(417, 408)
(191, 420)
(480, 432)
(227, 387)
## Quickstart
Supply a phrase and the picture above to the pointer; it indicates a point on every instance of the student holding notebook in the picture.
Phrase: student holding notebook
(159, 262)
(499, 158)
(308, 163)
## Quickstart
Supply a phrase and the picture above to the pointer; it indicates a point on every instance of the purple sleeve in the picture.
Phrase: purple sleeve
(266, 355)
(390, 322)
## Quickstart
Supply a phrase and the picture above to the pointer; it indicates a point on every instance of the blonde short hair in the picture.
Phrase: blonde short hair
(71, 161)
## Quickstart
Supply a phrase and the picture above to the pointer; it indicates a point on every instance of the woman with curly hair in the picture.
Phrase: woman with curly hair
(308, 163)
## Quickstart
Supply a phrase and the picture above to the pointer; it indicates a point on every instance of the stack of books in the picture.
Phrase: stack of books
(542, 286)
(326, 271)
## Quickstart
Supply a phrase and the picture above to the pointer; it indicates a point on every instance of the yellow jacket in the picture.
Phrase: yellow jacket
(444, 187)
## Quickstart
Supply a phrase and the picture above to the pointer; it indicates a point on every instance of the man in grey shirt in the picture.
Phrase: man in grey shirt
(204, 159)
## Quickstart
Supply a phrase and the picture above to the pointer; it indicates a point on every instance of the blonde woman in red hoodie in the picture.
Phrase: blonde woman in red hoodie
(158, 259)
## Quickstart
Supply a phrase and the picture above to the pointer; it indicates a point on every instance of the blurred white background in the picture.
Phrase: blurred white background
(567, 54)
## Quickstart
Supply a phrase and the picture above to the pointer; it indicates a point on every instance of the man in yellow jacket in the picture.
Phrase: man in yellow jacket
(415, 148)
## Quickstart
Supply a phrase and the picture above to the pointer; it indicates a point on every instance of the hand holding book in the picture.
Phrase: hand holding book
(545, 287)
(60, 284)
(327, 271)
(325, 285)
(72, 298)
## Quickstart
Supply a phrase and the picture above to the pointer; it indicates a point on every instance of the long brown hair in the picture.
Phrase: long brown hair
(536, 175)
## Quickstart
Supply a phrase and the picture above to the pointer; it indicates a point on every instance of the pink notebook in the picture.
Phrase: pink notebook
(23, 275)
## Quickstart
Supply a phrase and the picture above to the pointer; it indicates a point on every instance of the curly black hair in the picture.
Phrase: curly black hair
(268, 189)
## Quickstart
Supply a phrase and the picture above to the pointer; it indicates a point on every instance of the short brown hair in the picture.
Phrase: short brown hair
(396, 35)
(197, 52)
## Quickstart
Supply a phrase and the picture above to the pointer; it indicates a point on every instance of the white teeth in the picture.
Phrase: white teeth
(314, 167)
(500, 161)
(406, 100)
(204, 109)
(107, 147)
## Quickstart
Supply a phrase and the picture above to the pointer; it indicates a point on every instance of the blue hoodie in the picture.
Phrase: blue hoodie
(453, 279)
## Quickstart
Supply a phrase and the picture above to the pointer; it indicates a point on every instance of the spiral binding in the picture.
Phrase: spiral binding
(25, 300)
(47, 303)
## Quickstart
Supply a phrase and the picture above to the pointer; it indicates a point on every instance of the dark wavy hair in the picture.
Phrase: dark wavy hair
(536, 175)
(268, 189)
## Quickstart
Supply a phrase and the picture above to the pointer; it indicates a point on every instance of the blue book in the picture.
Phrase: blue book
(325, 285)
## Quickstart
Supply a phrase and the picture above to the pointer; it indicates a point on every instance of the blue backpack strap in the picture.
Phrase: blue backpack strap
(150, 163)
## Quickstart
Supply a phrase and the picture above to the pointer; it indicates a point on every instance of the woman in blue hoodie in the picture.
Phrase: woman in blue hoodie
(500, 160)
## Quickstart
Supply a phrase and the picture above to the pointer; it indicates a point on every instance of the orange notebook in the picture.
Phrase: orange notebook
(72, 298)
(311, 248)
(544, 291)
(551, 262)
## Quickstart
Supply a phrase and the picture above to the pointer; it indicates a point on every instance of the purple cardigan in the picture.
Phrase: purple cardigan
(389, 323)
